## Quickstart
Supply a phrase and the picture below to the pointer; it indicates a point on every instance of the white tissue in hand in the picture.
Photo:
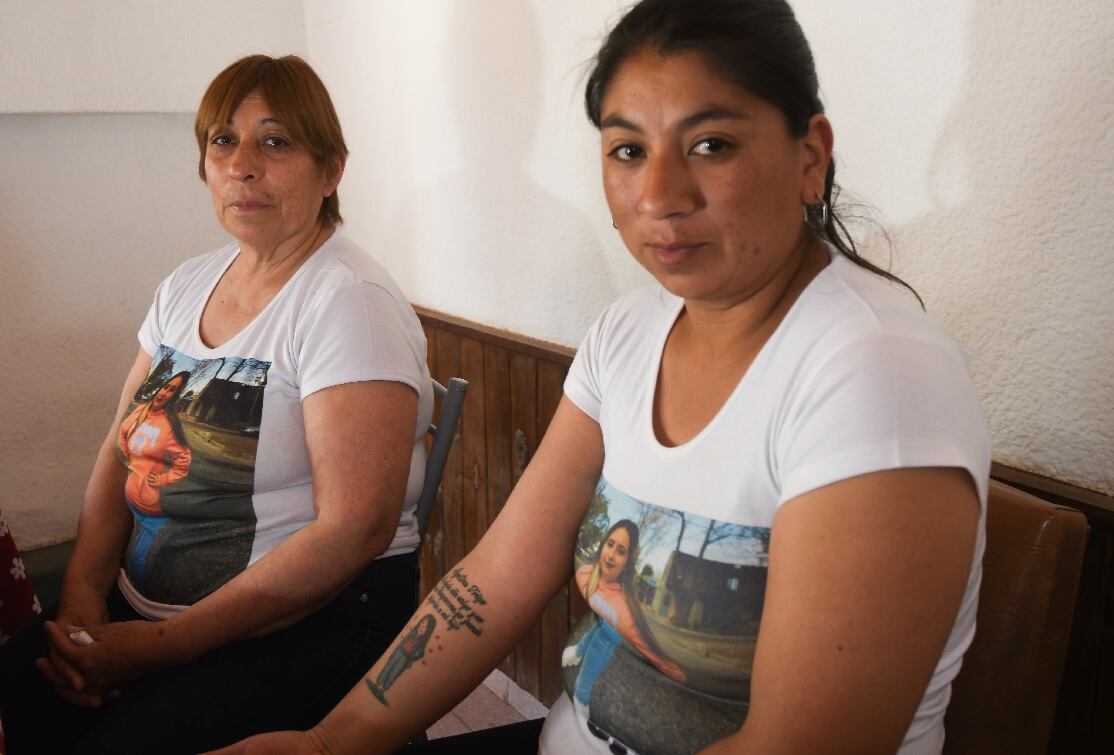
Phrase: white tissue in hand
(81, 637)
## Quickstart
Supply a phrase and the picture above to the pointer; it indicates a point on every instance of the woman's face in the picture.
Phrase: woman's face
(613, 557)
(266, 189)
(166, 393)
(704, 180)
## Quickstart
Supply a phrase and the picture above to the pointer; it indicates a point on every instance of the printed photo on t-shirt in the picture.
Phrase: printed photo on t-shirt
(189, 439)
(676, 599)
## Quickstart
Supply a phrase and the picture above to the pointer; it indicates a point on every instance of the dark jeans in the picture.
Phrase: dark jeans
(513, 739)
(285, 680)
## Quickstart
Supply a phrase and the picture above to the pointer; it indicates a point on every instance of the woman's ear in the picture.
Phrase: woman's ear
(332, 177)
(817, 152)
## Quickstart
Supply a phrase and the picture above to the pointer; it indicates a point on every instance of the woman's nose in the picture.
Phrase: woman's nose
(244, 163)
(668, 186)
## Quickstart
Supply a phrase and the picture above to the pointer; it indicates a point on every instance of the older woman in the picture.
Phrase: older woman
(807, 444)
(265, 526)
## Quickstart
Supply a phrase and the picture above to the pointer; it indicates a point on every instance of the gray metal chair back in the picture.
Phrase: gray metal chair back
(442, 433)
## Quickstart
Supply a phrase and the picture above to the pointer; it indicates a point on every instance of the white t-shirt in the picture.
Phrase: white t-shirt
(240, 440)
(856, 379)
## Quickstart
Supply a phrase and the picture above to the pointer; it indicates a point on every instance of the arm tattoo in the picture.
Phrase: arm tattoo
(454, 599)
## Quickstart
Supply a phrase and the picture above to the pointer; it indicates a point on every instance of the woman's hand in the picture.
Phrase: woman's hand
(120, 651)
(278, 743)
(78, 607)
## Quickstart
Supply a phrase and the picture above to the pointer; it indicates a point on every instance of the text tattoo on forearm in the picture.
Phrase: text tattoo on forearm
(455, 600)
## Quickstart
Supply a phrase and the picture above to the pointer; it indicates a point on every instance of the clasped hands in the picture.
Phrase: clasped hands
(87, 675)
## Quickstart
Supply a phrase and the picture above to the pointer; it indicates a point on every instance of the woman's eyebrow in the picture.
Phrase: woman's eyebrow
(714, 113)
(618, 121)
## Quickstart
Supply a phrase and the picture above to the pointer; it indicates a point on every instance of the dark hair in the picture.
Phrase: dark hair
(298, 98)
(171, 408)
(756, 44)
(629, 579)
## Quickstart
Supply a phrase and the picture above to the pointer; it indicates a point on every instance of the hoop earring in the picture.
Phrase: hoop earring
(817, 214)
(614, 224)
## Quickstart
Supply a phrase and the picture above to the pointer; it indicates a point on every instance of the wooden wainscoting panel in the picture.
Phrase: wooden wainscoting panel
(554, 624)
(497, 419)
(473, 443)
(447, 364)
(524, 438)
(431, 556)
(515, 385)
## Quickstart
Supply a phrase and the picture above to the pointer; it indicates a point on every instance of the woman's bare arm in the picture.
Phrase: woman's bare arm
(865, 579)
(480, 609)
(105, 522)
(102, 533)
(360, 440)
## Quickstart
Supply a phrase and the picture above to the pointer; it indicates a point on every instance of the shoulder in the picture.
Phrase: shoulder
(861, 362)
(634, 320)
(203, 266)
(181, 290)
(342, 264)
(647, 304)
(848, 310)
(618, 345)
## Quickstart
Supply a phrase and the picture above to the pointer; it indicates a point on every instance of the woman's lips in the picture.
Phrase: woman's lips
(677, 252)
(245, 205)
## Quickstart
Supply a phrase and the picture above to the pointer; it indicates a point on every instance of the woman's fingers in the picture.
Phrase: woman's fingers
(62, 656)
(64, 690)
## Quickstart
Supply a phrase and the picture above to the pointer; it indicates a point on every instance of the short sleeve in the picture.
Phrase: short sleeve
(885, 402)
(356, 332)
(583, 383)
(151, 331)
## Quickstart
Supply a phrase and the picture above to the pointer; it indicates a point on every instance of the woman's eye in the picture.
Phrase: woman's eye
(221, 140)
(626, 152)
(711, 146)
(275, 142)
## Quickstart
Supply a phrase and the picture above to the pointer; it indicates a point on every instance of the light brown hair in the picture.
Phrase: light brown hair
(295, 95)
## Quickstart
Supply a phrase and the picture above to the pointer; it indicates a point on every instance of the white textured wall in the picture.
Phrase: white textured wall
(473, 173)
(94, 211)
(980, 131)
(131, 56)
(99, 199)
(984, 133)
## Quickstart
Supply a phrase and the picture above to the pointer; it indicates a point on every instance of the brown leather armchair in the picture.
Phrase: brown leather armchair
(1004, 699)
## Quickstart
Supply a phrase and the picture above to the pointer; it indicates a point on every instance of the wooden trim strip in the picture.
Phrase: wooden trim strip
(537, 348)
(1097, 507)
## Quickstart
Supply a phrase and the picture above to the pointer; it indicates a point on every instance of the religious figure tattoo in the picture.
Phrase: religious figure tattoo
(454, 599)
(410, 648)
